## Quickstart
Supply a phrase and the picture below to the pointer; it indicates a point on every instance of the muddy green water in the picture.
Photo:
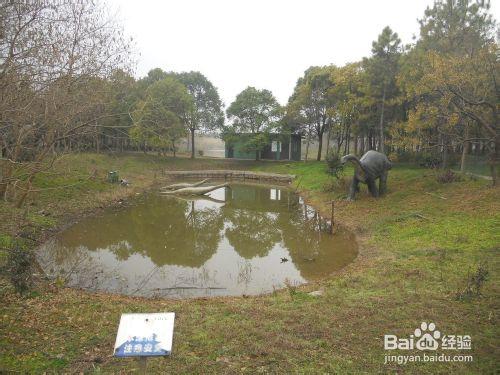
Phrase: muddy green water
(247, 239)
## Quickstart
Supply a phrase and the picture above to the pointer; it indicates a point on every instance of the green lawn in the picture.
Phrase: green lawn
(418, 247)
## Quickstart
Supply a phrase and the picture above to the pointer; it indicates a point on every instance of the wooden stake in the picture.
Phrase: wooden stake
(143, 365)
(332, 215)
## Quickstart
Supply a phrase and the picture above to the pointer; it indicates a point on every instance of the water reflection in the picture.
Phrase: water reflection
(230, 243)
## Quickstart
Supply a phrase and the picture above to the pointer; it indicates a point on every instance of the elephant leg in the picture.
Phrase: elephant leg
(382, 186)
(372, 187)
(353, 189)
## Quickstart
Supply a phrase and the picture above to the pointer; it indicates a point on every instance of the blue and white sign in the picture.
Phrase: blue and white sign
(147, 335)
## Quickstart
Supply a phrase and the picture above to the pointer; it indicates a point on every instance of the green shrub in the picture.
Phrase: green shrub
(447, 177)
(20, 268)
(335, 167)
(428, 160)
(474, 283)
(339, 185)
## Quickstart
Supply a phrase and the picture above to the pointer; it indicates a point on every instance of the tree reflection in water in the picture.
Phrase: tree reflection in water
(230, 242)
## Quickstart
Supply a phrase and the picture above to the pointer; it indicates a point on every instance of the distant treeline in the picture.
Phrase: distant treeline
(66, 85)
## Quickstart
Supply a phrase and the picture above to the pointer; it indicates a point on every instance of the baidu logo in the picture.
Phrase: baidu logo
(427, 337)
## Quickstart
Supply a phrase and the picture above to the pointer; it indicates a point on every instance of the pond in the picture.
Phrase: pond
(242, 240)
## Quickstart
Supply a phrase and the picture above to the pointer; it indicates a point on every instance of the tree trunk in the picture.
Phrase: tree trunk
(349, 140)
(192, 143)
(493, 160)
(381, 125)
(328, 139)
(445, 152)
(347, 135)
(4, 178)
(320, 146)
(464, 149)
(25, 193)
(8, 169)
(97, 144)
(307, 145)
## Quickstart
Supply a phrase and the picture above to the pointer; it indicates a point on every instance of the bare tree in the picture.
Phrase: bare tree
(54, 59)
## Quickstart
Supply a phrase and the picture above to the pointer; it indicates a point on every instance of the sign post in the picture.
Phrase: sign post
(143, 365)
(144, 335)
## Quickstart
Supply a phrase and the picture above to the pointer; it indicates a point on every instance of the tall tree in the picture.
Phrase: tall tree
(255, 112)
(346, 92)
(456, 27)
(455, 91)
(382, 69)
(153, 76)
(160, 119)
(206, 114)
(312, 103)
(456, 36)
(122, 98)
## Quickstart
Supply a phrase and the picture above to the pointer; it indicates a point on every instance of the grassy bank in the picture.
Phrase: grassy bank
(418, 247)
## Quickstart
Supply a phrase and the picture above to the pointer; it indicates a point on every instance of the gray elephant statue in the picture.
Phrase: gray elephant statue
(373, 165)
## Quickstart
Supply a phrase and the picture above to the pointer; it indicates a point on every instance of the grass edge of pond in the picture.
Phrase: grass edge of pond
(402, 276)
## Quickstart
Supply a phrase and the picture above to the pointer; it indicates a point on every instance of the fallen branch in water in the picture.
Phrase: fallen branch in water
(189, 287)
(197, 198)
(195, 190)
(183, 185)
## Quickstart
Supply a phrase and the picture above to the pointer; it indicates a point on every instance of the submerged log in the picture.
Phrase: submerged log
(195, 190)
(193, 198)
(184, 185)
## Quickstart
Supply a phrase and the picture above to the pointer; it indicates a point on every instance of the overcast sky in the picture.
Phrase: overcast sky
(262, 43)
